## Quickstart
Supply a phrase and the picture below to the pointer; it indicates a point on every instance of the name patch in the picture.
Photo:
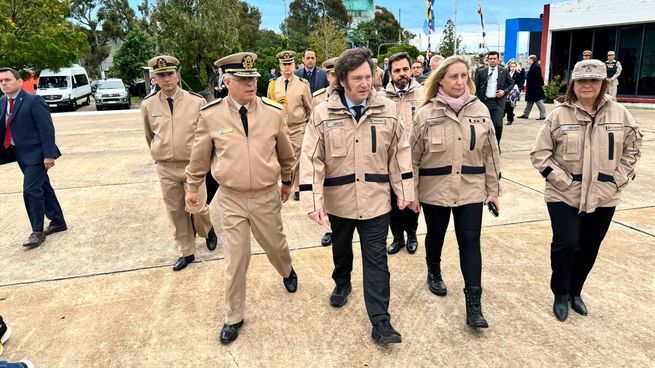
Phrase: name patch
(331, 123)
(614, 127)
(225, 131)
(569, 128)
(155, 114)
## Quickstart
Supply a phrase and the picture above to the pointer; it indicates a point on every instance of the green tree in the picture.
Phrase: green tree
(36, 34)
(447, 45)
(327, 40)
(304, 16)
(132, 55)
(384, 28)
(249, 20)
(197, 32)
(267, 39)
(410, 49)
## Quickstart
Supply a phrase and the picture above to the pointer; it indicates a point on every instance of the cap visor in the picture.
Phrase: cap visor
(247, 74)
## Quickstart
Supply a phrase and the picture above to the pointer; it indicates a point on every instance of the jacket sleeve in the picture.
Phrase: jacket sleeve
(631, 152)
(146, 125)
(543, 159)
(509, 83)
(43, 122)
(284, 149)
(307, 101)
(312, 166)
(491, 154)
(417, 146)
(400, 163)
(201, 156)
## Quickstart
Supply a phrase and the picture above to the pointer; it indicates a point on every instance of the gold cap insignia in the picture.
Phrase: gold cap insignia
(248, 62)
(286, 55)
(161, 63)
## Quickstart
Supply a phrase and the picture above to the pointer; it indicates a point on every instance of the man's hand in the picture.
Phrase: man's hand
(500, 93)
(285, 191)
(191, 199)
(48, 162)
(402, 204)
(415, 206)
(494, 200)
(318, 216)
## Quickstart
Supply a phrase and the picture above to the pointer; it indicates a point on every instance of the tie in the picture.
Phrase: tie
(7, 141)
(170, 103)
(491, 72)
(309, 75)
(286, 84)
(244, 118)
(358, 111)
(401, 93)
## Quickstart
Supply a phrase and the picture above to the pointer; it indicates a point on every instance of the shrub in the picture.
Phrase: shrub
(552, 89)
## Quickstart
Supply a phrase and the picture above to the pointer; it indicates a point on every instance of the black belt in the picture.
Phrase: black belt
(472, 169)
(347, 179)
(445, 170)
(605, 177)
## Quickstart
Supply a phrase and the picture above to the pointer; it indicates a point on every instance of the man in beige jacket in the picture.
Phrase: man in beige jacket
(170, 117)
(245, 141)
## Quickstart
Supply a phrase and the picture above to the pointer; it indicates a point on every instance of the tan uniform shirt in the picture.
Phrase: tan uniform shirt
(455, 156)
(320, 96)
(170, 136)
(346, 166)
(243, 164)
(297, 99)
(378, 78)
(407, 101)
(587, 162)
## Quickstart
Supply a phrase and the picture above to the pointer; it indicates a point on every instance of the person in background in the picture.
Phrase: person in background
(534, 89)
(614, 70)
(417, 69)
(435, 61)
(309, 71)
(378, 77)
(272, 74)
(586, 150)
(586, 54)
(515, 94)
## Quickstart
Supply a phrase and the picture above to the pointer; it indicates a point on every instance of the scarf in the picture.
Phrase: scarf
(456, 103)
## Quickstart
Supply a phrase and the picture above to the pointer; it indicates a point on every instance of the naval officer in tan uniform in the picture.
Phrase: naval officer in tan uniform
(245, 141)
(170, 117)
(295, 95)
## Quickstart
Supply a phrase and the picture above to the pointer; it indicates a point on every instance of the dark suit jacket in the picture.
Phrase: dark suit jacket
(31, 129)
(504, 82)
(318, 79)
(519, 79)
(534, 89)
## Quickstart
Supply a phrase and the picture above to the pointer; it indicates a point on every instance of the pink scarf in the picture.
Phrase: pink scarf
(455, 103)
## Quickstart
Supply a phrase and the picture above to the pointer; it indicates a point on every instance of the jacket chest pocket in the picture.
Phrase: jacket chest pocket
(437, 136)
(611, 154)
(337, 142)
(573, 146)
(477, 132)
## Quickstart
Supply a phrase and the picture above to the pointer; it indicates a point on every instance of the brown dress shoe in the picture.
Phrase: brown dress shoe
(35, 239)
(51, 229)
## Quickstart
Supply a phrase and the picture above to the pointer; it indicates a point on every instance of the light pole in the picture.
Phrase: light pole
(286, 18)
(386, 43)
(326, 36)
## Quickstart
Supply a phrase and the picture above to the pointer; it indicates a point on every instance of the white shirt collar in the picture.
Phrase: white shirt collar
(351, 104)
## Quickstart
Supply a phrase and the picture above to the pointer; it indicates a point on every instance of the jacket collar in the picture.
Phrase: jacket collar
(336, 102)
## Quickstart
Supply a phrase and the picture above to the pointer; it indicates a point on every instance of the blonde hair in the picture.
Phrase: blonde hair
(434, 81)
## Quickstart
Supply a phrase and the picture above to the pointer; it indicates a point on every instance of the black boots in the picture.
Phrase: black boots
(435, 282)
(412, 243)
(397, 244)
(561, 307)
(578, 305)
(474, 317)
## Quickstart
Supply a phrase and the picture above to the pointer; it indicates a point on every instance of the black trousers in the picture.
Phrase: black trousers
(496, 108)
(373, 239)
(509, 110)
(405, 221)
(575, 245)
(468, 222)
(39, 197)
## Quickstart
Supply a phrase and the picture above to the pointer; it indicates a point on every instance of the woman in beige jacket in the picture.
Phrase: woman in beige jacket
(586, 150)
(456, 169)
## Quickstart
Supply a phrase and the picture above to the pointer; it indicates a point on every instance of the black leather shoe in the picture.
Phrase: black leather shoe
(412, 243)
(291, 282)
(578, 305)
(509, 123)
(182, 262)
(212, 239)
(51, 229)
(384, 333)
(396, 245)
(5, 332)
(35, 239)
(541, 118)
(326, 239)
(522, 117)
(561, 307)
(230, 333)
(436, 285)
(296, 196)
(339, 296)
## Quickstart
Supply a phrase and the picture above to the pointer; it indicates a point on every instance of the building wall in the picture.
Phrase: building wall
(591, 13)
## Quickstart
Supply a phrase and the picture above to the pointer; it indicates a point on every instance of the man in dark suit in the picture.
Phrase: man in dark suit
(28, 133)
(493, 84)
(316, 76)
(534, 89)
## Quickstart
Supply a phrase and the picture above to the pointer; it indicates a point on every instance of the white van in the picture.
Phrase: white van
(67, 87)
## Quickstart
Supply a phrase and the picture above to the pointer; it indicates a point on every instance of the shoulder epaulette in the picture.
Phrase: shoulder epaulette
(303, 80)
(195, 94)
(318, 92)
(270, 102)
(150, 95)
(216, 101)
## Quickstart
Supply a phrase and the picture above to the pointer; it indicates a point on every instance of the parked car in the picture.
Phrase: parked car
(112, 92)
(66, 87)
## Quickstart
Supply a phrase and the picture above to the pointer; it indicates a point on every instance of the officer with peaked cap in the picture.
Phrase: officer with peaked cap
(586, 54)
(295, 95)
(245, 141)
(170, 117)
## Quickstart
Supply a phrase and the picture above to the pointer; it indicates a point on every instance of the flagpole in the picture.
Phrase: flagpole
(455, 27)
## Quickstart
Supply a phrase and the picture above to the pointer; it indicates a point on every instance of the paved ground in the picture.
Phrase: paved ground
(103, 294)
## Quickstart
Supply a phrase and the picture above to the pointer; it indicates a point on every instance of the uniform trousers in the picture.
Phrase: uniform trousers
(239, 214)
(373, 238)
(468, 222)
(496, 107)
(575, 244)
(540, 106)
(296, 133)
(172, 179)
(405, 221)
(612, 88)
(39, 197)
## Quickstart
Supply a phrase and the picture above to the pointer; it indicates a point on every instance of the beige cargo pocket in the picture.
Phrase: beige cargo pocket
(337, 142)
(572, 149)
(437, 138)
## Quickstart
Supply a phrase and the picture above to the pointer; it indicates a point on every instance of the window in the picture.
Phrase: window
(81, 80)
(53, 82)
(647, 75)
(604, 41)
(111, 85)
(629, 48)
(582, 40)
(559, 54)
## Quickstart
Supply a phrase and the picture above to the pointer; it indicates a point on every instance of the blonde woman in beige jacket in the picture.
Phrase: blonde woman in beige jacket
(587, 150)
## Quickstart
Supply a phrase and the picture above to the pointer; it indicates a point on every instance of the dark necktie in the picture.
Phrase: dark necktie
(309, 75)
(7, 141)
(358, 111)
(244, 118)
(401, 93)
(491, 72)
(170, 103)
(286, 84)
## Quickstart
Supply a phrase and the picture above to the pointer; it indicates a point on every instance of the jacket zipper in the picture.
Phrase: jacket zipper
(374, 142)
(611, 146)
(472, 146)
